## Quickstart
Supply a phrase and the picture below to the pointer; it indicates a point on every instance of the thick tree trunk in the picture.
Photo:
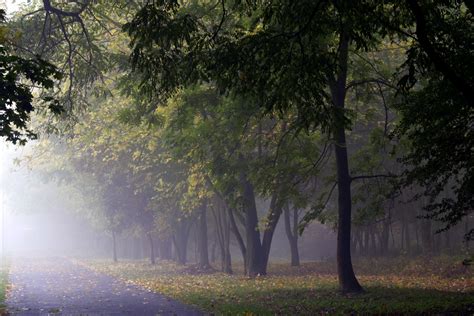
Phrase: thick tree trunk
(114, 241)
(347, 280)
(292, 235)
(152, 248)
(254, 246)
(203, 262)
(272, 221)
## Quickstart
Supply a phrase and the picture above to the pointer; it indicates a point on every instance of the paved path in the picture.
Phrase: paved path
(60, 287)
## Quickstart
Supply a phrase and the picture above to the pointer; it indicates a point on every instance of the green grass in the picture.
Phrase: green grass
(398, 286)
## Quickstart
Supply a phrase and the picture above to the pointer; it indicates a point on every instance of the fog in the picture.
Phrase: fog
(40, 218)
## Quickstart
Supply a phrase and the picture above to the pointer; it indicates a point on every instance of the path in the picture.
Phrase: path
(57, 286)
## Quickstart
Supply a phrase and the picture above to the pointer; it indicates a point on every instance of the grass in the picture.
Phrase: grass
(396, 286)
(4, 268)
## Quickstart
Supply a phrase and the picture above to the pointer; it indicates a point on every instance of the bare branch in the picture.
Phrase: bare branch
(373, 176)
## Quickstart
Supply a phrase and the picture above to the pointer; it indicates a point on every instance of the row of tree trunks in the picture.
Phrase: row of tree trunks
(256, 263)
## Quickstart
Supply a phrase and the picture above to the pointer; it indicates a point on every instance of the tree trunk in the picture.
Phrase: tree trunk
(227, 260)
(254, 246)
(384, 236)
(292, 235)
(152, 248)
(407, 237)
(114, 241)
(202, 239)
(180, 240)
(222, 225)
(272, 221)
(238, 237)
(347, 279)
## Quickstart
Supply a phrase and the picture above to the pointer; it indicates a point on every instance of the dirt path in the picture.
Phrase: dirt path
(57, 286)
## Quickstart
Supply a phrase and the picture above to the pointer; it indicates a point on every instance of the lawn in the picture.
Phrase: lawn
(430, 286)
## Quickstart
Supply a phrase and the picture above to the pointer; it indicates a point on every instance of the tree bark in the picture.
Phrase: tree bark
(254, 246)
(272, 221)
(202, 238)
(227, 260)
(152, 248)
(292, 235)
(347, 280)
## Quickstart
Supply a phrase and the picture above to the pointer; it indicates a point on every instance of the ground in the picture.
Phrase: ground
(441, 285)
(395, 286)
(60, 286)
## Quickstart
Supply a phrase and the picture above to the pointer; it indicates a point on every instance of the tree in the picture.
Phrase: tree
(438, 111)
(272, 58)
(18, 77)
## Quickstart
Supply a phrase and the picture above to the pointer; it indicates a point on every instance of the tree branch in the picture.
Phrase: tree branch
(48, 7)
(373, 176)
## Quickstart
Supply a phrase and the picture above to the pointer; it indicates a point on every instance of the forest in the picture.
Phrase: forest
(237, 157)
